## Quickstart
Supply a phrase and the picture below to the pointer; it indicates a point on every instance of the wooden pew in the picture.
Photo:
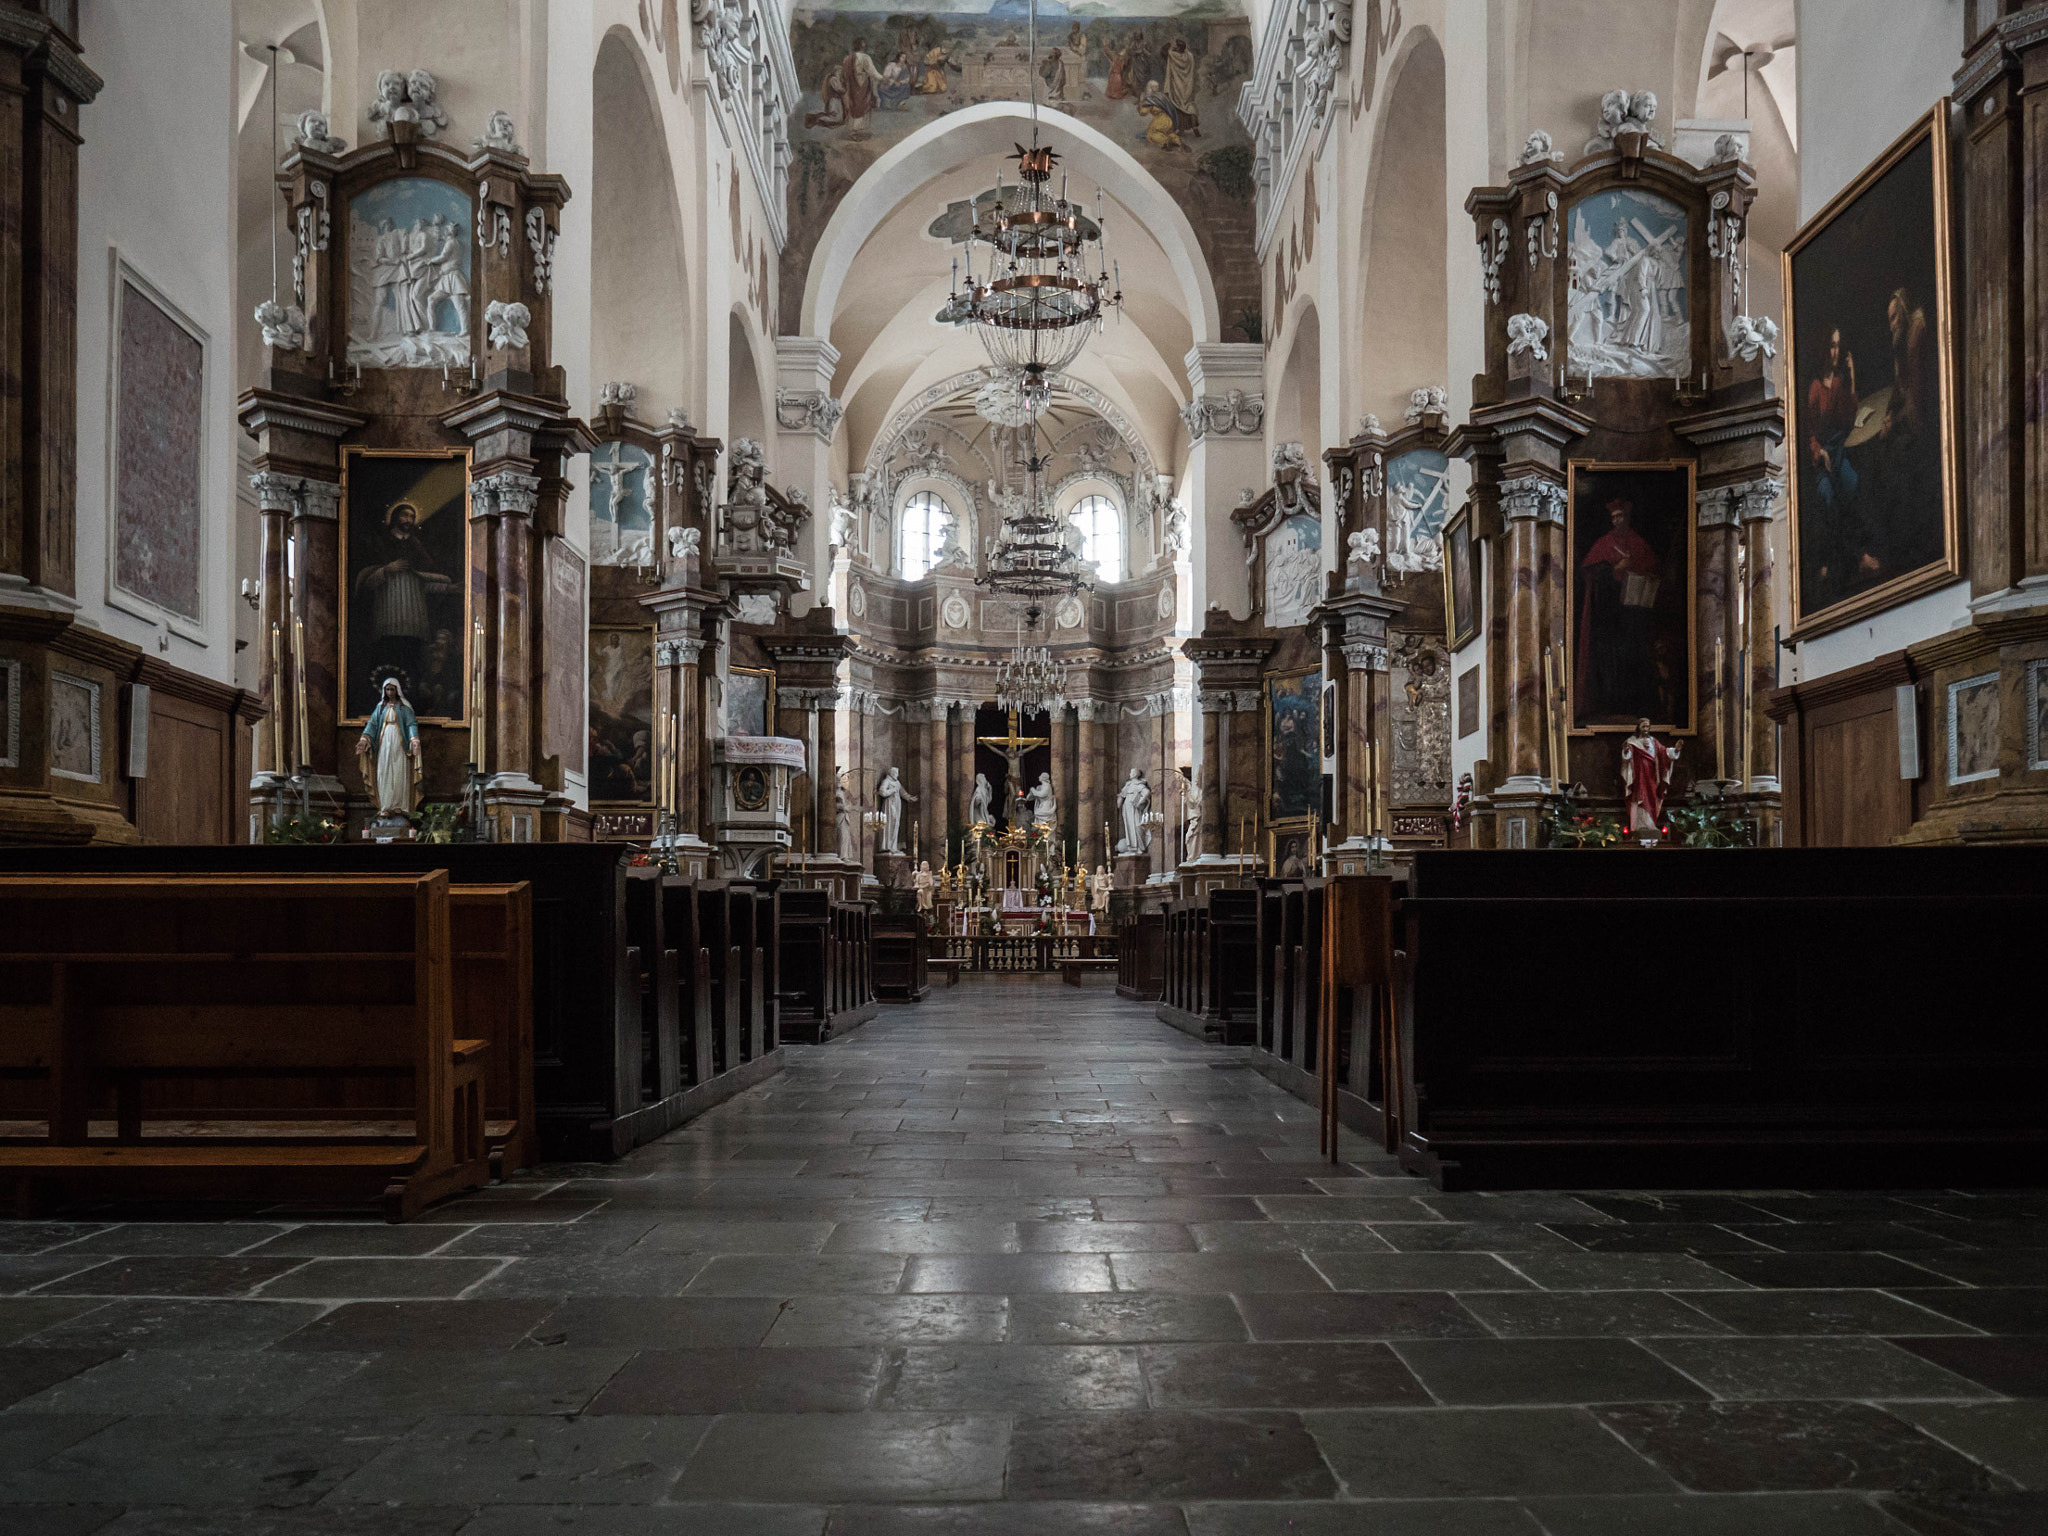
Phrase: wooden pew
(303, 995)
(1141, 957)
(491, 937)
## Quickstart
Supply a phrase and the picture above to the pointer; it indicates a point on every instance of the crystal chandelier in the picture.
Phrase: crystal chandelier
(1029, 681)
(1031, 557)
(1035, 302)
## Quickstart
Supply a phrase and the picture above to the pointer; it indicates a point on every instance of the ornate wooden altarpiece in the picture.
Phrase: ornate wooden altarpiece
(1385, 643)
(1626, 405)
(412, 365)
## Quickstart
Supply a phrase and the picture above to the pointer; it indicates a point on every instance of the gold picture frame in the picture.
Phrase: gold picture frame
(1461, 629)
(1813, 612)
(621, 716)
(355, 479)
(1279, 835)
(1684, 515)
(767, 675)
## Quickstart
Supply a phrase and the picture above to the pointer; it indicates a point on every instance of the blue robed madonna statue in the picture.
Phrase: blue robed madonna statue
(392, 735)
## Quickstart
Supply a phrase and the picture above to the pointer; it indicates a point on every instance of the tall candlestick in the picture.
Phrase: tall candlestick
(299, 690)
(1720, 730)
(277, 732)
(476, 696)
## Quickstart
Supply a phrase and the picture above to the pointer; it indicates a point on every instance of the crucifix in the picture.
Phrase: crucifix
(1013, 747)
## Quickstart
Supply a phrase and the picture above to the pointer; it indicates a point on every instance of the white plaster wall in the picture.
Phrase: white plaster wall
(1467, 39)
(156, 183)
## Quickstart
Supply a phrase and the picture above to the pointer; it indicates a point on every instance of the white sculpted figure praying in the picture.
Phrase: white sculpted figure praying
(1131, 803)
(892, 794)
(981, 804)
(1045, 804)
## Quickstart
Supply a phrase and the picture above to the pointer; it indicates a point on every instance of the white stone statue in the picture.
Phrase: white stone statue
(1045, 804)
(392, 736)
(890, 795)
(1098, 890)
(981, 804)
(314, 134)
(924, 882)
(842, 819)
(499, 133)
(1131, 803)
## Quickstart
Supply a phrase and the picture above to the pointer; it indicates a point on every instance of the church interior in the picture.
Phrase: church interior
(720, 721)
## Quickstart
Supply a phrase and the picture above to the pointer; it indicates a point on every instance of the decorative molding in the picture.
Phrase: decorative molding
(1234, 413)
(1756, 501)
(1360, 656)
(677, 652)
(1304, 54)
(508, 493)
(1716, 506)
(1493, 255)
(541, 241)
(1532, 496)
(797, 409)
(750, 75)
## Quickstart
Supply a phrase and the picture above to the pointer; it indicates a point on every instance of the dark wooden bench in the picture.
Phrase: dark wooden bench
(948, 967)
(1073, 967)
(491, 937)
(269, 1030)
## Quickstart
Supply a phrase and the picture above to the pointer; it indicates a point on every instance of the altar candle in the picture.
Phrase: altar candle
(1720, 721)
(299, 687)
(277, 745)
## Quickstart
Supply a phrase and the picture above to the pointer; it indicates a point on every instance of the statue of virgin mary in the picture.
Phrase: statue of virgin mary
(393, 735)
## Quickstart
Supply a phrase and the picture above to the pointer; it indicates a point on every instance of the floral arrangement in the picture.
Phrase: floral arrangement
(303, 831)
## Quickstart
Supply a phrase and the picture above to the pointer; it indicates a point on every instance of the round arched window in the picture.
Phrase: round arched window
(921, 534)
(1102, 535)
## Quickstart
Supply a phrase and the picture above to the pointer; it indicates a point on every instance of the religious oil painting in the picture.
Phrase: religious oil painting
(621, 714)
(750, 701)
(1629, 308)
(1461, 580)
(409, 275)
(1629, 602)
(1973, 729)
(1160, 81)
(1289, 853)
(621, 505)
(1869, 392)
(1418, 506)
(159, 448)
(1294, 570)
(2037, 714)
(405, 559)
(1468, 702)
(567, 670)
(74, 728)
(1294, 762)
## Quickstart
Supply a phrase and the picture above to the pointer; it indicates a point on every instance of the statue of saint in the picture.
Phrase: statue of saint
(924, 882)
(842, 819)
(981, 806)
(1045, 804)
(1098, 893)
(891, 794)
(393, 733)
(1131, 802)
(1646, 765)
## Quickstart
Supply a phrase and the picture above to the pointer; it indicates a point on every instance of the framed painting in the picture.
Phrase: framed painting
(156, 453)
(1461, 580)
(1289, 852)
(1973, 729)
(1294, 764)
(1870, 389)
(405, 580)
(74, 728)
(1628, 597)
(621, 763)
(1468, 702)
(750, 701)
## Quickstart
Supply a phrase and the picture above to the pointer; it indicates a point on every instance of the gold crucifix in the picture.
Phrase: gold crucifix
(1012, 747)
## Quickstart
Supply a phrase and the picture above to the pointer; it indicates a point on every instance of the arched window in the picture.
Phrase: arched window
(1102, 535)
(921, 534)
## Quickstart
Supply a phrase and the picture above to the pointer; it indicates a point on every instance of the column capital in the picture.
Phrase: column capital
(1532, 497)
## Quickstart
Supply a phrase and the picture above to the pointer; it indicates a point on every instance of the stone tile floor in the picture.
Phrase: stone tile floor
(1023, 1259)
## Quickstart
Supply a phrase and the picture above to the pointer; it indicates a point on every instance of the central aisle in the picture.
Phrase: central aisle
(1024, 1260)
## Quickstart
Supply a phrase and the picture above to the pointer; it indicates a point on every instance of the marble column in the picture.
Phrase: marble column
(1064, 781)
(938, 781)
(315, 602)
(1531, 505)
(1091, 810)
(1215, 776)
(275, 497)
(1755, 505)
(1718, 742)
(505, 503)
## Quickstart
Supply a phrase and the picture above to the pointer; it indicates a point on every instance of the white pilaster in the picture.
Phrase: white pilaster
(1226, 428)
